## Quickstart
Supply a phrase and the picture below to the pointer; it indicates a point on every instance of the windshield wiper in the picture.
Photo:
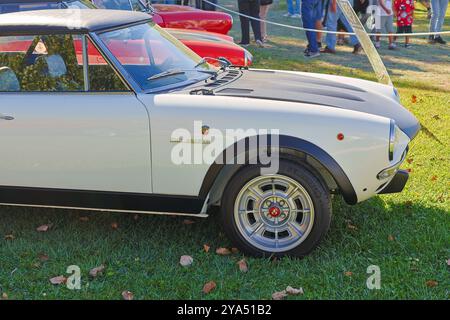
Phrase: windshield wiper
(224, 63)
(174, 72)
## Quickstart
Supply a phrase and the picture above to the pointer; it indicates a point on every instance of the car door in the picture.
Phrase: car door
(56, 132)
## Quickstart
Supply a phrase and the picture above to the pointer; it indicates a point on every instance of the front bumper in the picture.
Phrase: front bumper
(397, 183)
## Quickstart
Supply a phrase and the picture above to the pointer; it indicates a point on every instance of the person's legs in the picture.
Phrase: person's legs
(331, 25)
(318, 13)
(254, 12)
(435, 9)
(244, 8)
(340, 15)
(297, 7)
(263, 10)
(443, 4)
(309, 22)
(290, 7)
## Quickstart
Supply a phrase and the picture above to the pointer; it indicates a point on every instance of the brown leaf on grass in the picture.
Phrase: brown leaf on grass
(186, 261)
(234, 250)
(4, 296)
(94, 272)
(348, 273)
(410, 160)
(391, 237)
(115, 225)
(206, 248)
(351, 226)
(84, 219)
(9, 237)
(243, 266)
(43, 257)
(409, 170)
(223, 251)
(58, 280)
(188, 222)
(127, 295)
(431, 283)
(413, 99)
(433, 178)
(280, 295)
(43, 228)
(294, 291)
(436, 117)
(209, 286)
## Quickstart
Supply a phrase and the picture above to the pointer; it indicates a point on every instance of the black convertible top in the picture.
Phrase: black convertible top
(66, 21)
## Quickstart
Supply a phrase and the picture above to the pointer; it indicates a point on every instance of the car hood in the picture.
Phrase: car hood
(319, 89)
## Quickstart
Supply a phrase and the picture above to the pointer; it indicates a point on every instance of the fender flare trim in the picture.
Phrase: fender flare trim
(285, 142)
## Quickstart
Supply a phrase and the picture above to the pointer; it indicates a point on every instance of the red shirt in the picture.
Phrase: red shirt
(404, 10)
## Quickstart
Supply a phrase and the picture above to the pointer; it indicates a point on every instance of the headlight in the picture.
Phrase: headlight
(394, 132)
(248, 58)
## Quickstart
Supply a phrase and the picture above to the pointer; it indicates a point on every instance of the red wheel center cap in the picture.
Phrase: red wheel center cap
(274, 211)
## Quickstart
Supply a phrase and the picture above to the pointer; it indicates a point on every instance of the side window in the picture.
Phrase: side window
(102, 76)
(41, 63)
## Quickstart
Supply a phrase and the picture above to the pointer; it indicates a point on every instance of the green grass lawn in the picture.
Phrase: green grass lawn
(407, 235)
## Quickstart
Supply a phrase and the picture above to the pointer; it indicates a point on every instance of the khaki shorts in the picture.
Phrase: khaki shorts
(386, 24)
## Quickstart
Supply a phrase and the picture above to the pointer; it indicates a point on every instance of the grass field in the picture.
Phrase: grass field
(407, 235)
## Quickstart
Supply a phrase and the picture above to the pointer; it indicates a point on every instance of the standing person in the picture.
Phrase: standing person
(438, 9)
(386, 22)
(333, 15)
(318, 15)
(293, 12)
(263, 11)
(404, 10)
(309, 9)
(250, 8)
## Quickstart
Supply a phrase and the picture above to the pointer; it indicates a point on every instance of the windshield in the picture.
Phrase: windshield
(155, 59)
(11, 6)
(130, 5)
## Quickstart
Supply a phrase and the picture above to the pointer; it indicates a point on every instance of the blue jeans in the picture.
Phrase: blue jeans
(438, 9)
(309, 17)
(332, 19)
(290, 6)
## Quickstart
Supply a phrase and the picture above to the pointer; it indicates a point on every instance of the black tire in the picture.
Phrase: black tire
(312, 183)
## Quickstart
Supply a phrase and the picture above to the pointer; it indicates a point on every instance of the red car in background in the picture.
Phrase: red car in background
(174, 16)
(205, 44)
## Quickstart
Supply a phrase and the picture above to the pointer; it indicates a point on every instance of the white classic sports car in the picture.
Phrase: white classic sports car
(104, 110)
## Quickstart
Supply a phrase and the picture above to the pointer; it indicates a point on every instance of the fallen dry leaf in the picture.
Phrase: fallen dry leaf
(234, 250)
(433, 178)
(188, 221)
(94, 272)
(293, 291)
(409, 160)
(127, 295)
(243, 265)
(280, 295)
(43, 228)
(352, 227)
(206, 248)
(115, 225)
(391, 237)
(4, 296)
(348, 273)
(43, 257)
(436, 117)
(209, 286)
(9, 237)
(58, 280)
(413, 99)
(431, 283)
(409, 170)
(186, 261)
(84, 219)
(223, 251)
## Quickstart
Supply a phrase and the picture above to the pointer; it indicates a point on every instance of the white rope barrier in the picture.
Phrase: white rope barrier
(324, 31)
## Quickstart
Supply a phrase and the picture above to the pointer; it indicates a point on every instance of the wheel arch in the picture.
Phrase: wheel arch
(312, 157)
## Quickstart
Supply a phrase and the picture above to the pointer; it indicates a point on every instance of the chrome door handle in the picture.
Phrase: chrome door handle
(3, 117)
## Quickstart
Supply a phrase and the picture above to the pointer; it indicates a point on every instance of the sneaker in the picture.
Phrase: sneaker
(244, 44)
(392, 46)
(431, 40)
(296, 16)
(287, 14)
(407, 46)
(357, 48)
(319, 45)
(260, 44)
(310, 54)
(377, 44)
(328, 50)
(439, 40)
(340, 42)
